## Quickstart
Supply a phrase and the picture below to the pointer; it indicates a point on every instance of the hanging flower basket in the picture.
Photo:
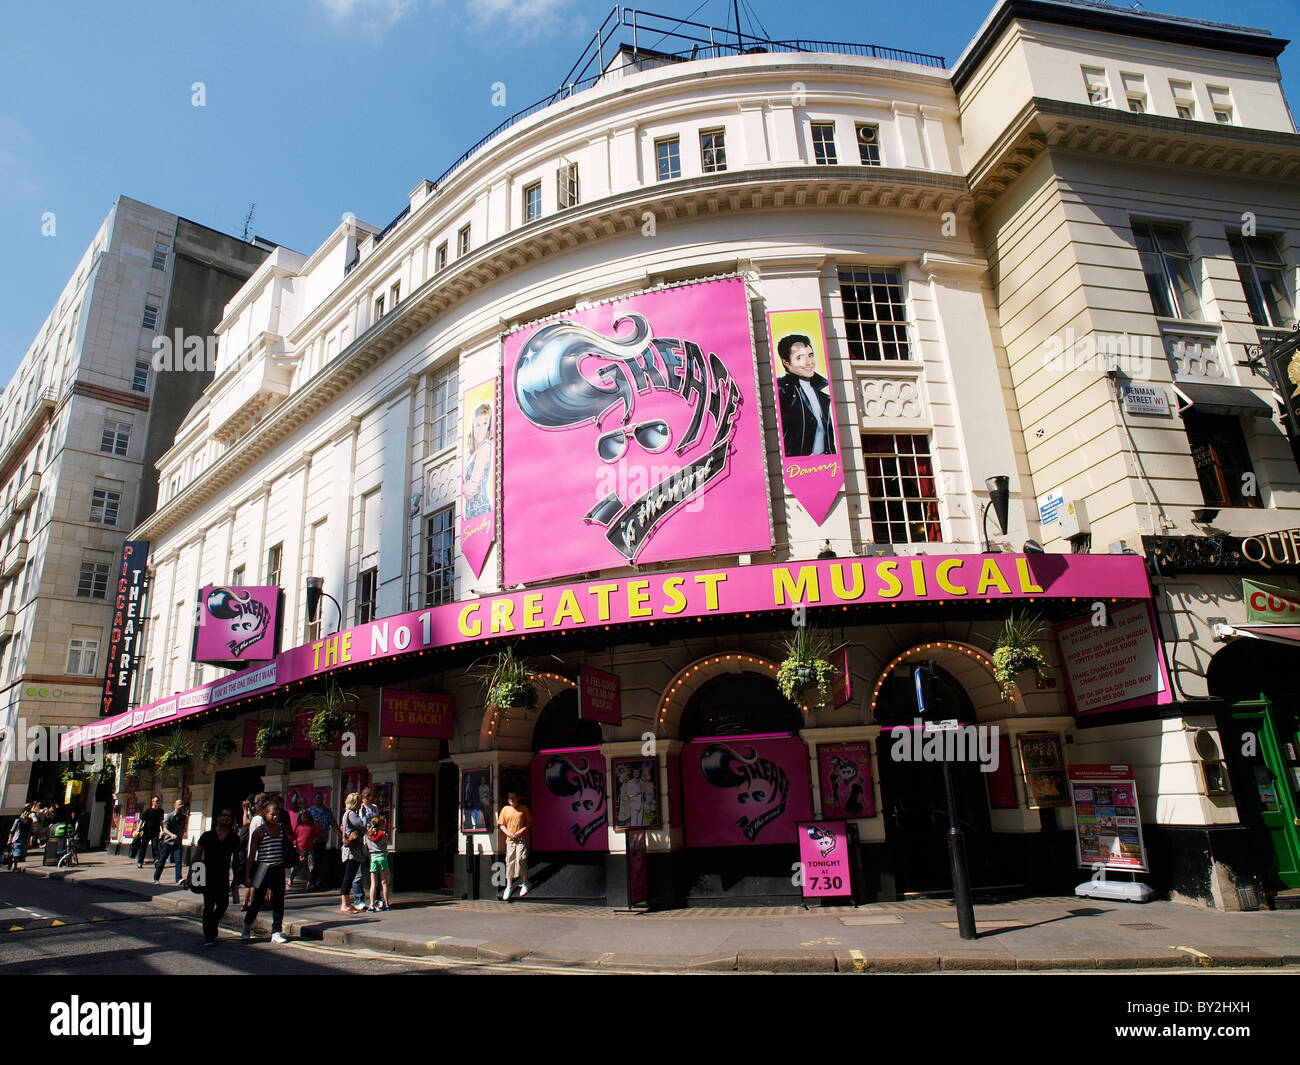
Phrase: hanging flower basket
(507, 681)
(75, 771)
(140, 758)
(1016, 652)
(333, 712)
(807, 667)
(275, 736)
(178, 754)
(217, 749)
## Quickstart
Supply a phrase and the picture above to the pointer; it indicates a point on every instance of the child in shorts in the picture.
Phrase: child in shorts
(377, 850)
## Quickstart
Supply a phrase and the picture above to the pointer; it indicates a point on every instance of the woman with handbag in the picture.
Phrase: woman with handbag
(210, 871)
(268, 852)
(352, 827)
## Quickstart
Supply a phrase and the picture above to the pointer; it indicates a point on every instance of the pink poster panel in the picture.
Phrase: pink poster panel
(632, 434)
(813, 471)
(846, 784)
(569, 807)
(824, 859)
(600, 696)
(742, 790)
(420, 715)
(237, 625)
(478, 477)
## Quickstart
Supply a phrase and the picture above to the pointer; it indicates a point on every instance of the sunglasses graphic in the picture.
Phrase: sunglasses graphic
(653, 435)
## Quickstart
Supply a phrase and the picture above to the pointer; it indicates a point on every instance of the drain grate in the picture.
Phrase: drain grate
(1146, 926)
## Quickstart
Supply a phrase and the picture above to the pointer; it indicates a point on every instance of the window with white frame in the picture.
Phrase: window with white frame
(566, 186)
(713, 150)
(150, 319)
(875, 313)
(116, 437)
(1184, 99)
(394, 294)
(379, 308)
(440, 257)
(440, 557)
(668, 158)
(1168, 266)
(1135, 93)
(160, 251)
(83, 655)
(533, 201)
(140, 379)
(901, 488)
(444, 401)
(93, 582)
(367, 592)
(1094, 84)
(462, 242)
(1221, 103)
(237, 577)
(868, 144)
(1263, 276)
(823, 142)
(274, 560)
(104, 506)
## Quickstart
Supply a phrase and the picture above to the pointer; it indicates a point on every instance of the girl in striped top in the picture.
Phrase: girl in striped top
(265, 871)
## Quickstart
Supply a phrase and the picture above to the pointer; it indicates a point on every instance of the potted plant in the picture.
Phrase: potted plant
(1016, 651)
(218, 748)
(506, 680)
(807, 666)
(178, 754)
(140, 759)
(333, 713)
(272, 736)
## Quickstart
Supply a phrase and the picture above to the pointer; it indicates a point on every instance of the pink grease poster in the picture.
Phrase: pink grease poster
(824, 859)
(569, 807)
(237, 625)
(742, 790)
(632, 434)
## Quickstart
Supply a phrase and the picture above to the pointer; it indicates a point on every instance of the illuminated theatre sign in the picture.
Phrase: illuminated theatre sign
(663, 597)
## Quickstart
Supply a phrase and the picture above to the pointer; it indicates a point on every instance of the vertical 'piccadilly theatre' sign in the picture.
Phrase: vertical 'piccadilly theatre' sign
(124, 637)
(632, 434)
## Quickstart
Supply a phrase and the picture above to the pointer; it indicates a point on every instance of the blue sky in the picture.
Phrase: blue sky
(319, 107)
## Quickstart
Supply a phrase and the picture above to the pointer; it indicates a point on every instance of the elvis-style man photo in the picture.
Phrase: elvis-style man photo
(807, 427)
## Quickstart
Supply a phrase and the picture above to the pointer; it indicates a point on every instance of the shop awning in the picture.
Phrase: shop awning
(1224, 399)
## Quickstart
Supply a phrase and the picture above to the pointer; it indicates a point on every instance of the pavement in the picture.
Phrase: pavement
(1041, 934)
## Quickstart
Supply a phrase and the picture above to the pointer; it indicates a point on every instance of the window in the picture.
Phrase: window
(104, 506)
(566, 186)
(713, 150)
(1184, 99)
(875, 314)
(379, 308)
(440, 257)
(237, 578)
(440, 558)
(1094, 83)
(82, 656)
(1222, 460)
(160, 251)
(116, 437)
(140, 380)
(367, 586)
(1221, 103)
(668, 159)
(1135, 92)
(823, 139)
(462, 242)
(1167, 263)
(394, 293)
(1137, 104)
(901, 488)
(150, 320)
(868, 144)
(93, 583)
(1263, 273)
(444, 398)
(274, 556)
(533, 202)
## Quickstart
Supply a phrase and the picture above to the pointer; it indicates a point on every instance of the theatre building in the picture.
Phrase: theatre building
(714, 353)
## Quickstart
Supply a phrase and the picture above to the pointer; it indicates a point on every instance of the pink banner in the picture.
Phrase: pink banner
(743, 790)
(846, 784)
(600, 696)
(1116, 665)
(478, 474)
(632, 434)
(824, 859)
(569, 807)
(419, 715)
(805, 401)
(237, 625)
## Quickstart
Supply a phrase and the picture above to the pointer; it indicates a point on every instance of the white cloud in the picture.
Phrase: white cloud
(369, 16)
(527, 17)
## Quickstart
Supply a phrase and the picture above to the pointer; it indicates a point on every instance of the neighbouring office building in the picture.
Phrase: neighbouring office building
(719, 343)
(82, 422)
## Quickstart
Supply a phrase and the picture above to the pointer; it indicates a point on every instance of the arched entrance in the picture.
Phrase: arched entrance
(738, 704)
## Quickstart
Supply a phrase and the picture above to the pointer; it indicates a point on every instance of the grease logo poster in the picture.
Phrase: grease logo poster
(237, 625)
(569, 800)
(632, 434)
(745, 790)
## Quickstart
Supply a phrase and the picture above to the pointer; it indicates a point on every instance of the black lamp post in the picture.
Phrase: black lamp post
(999, 489)
(315, 589)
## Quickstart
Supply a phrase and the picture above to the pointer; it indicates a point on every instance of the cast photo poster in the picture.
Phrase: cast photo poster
(1108, 828)
(1045, 781)
(805, 405)
(478, 474)
(476, 800)
(846, 783)
(635, 793)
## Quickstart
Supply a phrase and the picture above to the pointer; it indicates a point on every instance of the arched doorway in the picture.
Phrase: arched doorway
(912, 790)
(738, 704)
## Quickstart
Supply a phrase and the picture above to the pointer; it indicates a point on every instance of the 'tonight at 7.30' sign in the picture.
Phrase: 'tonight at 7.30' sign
(665, 597)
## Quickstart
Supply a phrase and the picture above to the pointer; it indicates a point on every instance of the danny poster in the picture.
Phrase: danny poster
(632, 434)
(478, 474)
(810, 445)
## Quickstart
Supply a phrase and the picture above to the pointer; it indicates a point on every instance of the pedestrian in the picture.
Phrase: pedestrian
(516, 821)
(173, 840)
(218, 850)
(367, 811)
(353, 831)
(324, 819)
(267, 848)
(148, 832)
(305, 834)
(19, 832)
(377, 850)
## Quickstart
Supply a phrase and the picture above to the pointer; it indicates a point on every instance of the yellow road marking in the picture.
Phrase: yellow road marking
(15, 928)
(1201, 959)
(859, 962)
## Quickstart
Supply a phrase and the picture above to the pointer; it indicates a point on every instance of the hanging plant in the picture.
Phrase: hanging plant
(274, 736)
(108, 774)
(506, 680)
(140, 759)
(75, 771)
(217, 749)
(178, 754)
(333, 713)
(1016, 651)
(807, 666)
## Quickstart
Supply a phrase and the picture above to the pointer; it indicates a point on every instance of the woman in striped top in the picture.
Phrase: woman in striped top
(266, 849)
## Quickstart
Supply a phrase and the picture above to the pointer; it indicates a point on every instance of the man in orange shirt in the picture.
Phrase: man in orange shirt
(516, 822)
